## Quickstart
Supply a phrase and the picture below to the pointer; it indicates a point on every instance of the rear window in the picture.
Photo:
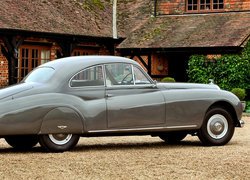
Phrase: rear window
(40, 75)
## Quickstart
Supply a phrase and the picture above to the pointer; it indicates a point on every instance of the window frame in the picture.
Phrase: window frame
(211, 4)
(133, 75)
(103, 76)
(29, 57)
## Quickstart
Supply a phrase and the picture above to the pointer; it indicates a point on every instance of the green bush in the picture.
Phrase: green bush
(168, 79)
(240, 93)
(248, 106)
(227, 71)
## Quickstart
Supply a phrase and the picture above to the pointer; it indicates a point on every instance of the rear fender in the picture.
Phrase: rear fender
(62, 120)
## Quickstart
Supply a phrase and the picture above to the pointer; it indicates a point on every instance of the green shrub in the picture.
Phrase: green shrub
(240, 93)
(248, 105)
(227, 71)
(168, 79)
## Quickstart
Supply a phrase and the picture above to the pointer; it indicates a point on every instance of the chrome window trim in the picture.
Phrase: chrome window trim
(87, 86)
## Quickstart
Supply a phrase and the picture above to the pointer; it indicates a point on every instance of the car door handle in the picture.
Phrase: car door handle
(109, 95)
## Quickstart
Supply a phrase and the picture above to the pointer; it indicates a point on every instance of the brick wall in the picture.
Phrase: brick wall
(237, 5)
(170, 7)
(3, 71)
(179, 6)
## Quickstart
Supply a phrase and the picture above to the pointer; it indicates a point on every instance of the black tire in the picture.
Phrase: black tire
(22, 142)
(58, 142)
(217, 128)
(173, 137)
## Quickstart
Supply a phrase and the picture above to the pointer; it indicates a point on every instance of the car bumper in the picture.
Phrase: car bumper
(241, 123)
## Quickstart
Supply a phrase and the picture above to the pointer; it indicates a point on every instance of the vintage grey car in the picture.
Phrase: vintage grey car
(90, 96)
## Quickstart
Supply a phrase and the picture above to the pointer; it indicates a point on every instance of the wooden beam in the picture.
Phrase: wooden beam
(149, 65)
(66, 48)
(10, 51)
(142, 61)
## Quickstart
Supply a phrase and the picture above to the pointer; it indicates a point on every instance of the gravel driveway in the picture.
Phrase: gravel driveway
(133, 158)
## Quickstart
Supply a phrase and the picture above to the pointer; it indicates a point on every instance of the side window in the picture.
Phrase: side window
(89, 77)
(140, 78)
(119, 74)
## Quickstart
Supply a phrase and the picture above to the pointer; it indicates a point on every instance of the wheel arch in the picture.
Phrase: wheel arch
(62, 119)
(228, 107)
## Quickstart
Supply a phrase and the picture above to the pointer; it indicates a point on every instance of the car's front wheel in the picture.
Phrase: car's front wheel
(58, 142)
(22, 142)
(217, 128)
(173, 137)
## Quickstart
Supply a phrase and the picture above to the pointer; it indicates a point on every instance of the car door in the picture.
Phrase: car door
(88, 85)
(133, 101)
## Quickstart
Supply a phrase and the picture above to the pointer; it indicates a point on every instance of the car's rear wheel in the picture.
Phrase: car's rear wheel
(217, 128)
(173, 137)
(58, 142)
(22, 142)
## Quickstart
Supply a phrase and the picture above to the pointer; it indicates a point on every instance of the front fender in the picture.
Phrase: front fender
(62, 120)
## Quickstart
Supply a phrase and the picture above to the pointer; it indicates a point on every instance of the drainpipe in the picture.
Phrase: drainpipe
(155, 6)
(114, 19)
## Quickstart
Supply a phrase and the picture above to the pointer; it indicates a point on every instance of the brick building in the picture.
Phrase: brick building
(34, 32)
(159, 34)
(177, 29)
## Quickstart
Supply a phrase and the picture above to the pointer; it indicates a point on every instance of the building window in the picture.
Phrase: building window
(204, 5)
(29, 57)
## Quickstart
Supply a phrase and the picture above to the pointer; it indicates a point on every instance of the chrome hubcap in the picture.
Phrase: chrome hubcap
(60, 139)
(217, 126)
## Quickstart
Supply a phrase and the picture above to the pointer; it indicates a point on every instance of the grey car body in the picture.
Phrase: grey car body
(54, 106)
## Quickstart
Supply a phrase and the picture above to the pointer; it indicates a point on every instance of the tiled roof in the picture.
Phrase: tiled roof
(74, 17)
(132, 14)
(208, 30)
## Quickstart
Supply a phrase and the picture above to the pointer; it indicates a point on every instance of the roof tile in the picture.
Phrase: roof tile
(207, 30)
(76, 17)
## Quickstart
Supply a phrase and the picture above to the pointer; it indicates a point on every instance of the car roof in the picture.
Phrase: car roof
(81, 62)
(65, 68)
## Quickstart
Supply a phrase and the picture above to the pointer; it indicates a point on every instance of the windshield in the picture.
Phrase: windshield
(40, 75)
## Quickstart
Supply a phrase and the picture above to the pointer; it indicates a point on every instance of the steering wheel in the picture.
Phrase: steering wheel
(126, 82)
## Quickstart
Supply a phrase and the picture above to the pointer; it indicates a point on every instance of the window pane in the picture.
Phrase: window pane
(34, 58)
(90, 77)
(119, 74)
(45, 56)
(140, 78)
(39, 75)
